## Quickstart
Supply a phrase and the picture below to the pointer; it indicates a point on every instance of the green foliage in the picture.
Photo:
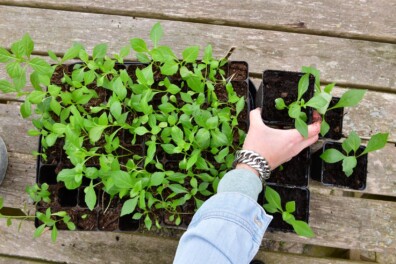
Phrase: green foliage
(350, 148)
(322, 98)
(274, 205)
(295, 109)
(182, 117)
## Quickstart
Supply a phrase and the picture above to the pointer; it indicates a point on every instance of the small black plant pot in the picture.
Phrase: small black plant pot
(294, 173)
(300, 196)
(334, 118)
(332, 174)
(282, 84)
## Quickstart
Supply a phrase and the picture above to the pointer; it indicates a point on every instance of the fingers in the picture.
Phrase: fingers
(316, 117)
(313, 129)
(307, 142)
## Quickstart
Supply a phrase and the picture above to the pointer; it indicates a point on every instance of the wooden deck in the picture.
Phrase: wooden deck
(352, 42)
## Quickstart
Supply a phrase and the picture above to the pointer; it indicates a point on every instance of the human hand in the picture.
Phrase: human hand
(275, 145)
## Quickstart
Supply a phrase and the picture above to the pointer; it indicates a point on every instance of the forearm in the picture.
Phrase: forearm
(229, 227)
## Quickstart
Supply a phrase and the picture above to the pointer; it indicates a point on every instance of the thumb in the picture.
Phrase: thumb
(255, 116)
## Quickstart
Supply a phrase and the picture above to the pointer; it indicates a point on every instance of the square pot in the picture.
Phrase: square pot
(300, 196)
(331, 174)
(283, 84)
(295, 172)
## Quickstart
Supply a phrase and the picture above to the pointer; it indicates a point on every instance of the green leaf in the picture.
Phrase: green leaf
(95, 133)
(302, 127)
(116, 109)
(294, 110)
(376, 142)
(193, 158)
(240, 105)
(129, 206)
(139, 45)
(303, 84)
(167, 107)
(324, 127)
(50, 139)
(54, 233)
(352, 143)
(36, 97)
(350, 98)
(177, 188)
(99, 51)
(26, 109)
(6, 86)
(207, 54)
(40, 66)
(90, 196)
(169, 68)
(314, 72)
(157, 178)
(156, 34)
(177, 135)
(39, 231)
(280, 104)
(212, 122)
(147, 222)
(218, 139)
(55, 106)
(348, 164)
(202, 138)
(273, 198)
(27, 45)
(291, 206)
(143, 58)
(141, 131)
(72, 52)
(317, 102)
(302, 228)
(1, 202)
(71, 226)
(287, 217)
(5, 56)
(68, 176)
(332, 156)
(269, 208)
(190, 54)
(122, 180)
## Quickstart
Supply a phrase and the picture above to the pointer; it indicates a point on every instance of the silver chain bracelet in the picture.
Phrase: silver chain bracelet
(255, 161)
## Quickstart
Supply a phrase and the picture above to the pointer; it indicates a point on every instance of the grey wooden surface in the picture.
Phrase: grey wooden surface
(352, 42)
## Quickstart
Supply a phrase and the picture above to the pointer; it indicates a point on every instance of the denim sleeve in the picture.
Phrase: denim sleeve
(229, 227)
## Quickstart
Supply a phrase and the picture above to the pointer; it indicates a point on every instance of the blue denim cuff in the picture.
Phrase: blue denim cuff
(237, 208)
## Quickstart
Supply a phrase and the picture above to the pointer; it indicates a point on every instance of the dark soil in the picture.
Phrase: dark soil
(334, 118)
(334, 176)
(281, 84)
(108, 220)
(47, 174)
(239, 69)
(300, 196)
(294, 172)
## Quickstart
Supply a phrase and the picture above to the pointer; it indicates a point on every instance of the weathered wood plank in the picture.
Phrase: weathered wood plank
(345, 222)
(106, 247)
(344, 61)
(330, 18)
(340, 222)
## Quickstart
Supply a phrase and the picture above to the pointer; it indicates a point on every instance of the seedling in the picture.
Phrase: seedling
(295, 108)
(350, 98)
(183, 118)
(48, 219)
(350, 147)
(274, 205)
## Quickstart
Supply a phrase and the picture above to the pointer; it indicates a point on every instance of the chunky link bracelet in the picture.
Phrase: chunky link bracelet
(255, 161)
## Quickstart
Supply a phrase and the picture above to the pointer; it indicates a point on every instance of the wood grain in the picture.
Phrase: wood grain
(369, 20)
(347, 62)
